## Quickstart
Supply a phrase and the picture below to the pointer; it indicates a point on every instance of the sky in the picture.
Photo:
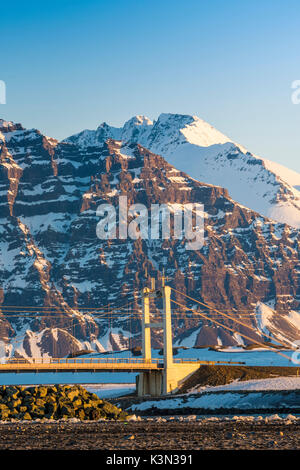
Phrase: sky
(70, 65)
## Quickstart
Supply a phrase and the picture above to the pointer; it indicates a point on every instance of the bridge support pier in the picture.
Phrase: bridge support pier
(149, 383)
(162, 382)
(166, 380)
(177, 373)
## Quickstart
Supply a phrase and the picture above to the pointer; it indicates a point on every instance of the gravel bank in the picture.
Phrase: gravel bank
(152, 435)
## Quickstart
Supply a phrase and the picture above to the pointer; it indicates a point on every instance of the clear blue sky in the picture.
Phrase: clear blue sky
(70, 65)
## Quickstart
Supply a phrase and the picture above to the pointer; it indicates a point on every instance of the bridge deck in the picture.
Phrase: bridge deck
(88, 365)
(93, 364)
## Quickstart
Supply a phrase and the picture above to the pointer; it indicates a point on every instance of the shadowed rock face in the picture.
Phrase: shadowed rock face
(51, 256)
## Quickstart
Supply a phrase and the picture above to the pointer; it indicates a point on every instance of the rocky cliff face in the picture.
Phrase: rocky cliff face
(194, 146)
(55, 272)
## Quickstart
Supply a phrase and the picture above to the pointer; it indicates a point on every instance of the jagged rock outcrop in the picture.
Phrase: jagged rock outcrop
(51, 256)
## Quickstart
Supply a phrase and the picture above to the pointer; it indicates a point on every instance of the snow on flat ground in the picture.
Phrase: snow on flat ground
(110, 390)
(276, 383)
(255, 357)
(228, 400)
(251, 395)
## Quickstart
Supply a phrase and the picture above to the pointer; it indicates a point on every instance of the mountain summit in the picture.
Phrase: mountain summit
(195, 147)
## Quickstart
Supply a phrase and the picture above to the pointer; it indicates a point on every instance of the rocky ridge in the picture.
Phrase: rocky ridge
(50, 256)
(197, 148)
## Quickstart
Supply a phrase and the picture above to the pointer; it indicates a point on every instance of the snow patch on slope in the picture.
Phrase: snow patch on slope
(294, 318)
(264, 316)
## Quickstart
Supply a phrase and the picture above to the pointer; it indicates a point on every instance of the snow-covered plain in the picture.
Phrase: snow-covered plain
(276, 383)
(227, 400)
(254, 357)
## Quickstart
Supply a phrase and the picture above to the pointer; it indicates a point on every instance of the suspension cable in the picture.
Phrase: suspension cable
(231, 329)
(227, 316)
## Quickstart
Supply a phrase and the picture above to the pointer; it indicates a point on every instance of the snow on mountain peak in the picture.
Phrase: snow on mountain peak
(138, 120)
(201, 133)
(161, 136)
(197, 148)
(192, 145)
(173, 130)
(136, 128)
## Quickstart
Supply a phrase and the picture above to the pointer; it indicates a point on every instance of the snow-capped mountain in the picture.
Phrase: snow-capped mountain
(50, 254)
(195, 147)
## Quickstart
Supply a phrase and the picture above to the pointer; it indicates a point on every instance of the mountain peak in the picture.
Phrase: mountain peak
(138, 120)
(136, 129)
(179, 128)
(194, 146)
(103, 125)
(174, 117)
(185, 128)
(9, 126)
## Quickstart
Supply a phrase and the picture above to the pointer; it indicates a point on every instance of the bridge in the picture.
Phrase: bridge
(37, 365)
(156, 376)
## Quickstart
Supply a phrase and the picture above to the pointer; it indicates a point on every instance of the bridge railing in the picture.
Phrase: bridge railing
(94, 360)
(111, 360)
(84, 360)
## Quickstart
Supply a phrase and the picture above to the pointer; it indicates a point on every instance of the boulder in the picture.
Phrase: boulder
(77, 403)
(42, 392)
(57, 402)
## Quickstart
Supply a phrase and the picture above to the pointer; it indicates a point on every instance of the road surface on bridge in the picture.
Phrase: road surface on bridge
(89, 365)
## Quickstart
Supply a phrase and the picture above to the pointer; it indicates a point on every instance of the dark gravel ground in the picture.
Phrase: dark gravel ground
(150, 435)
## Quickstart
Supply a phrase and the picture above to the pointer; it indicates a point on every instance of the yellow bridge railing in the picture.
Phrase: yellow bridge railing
(90, 361)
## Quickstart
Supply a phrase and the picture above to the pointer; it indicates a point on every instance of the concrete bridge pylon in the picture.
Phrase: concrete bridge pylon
(166, 380)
